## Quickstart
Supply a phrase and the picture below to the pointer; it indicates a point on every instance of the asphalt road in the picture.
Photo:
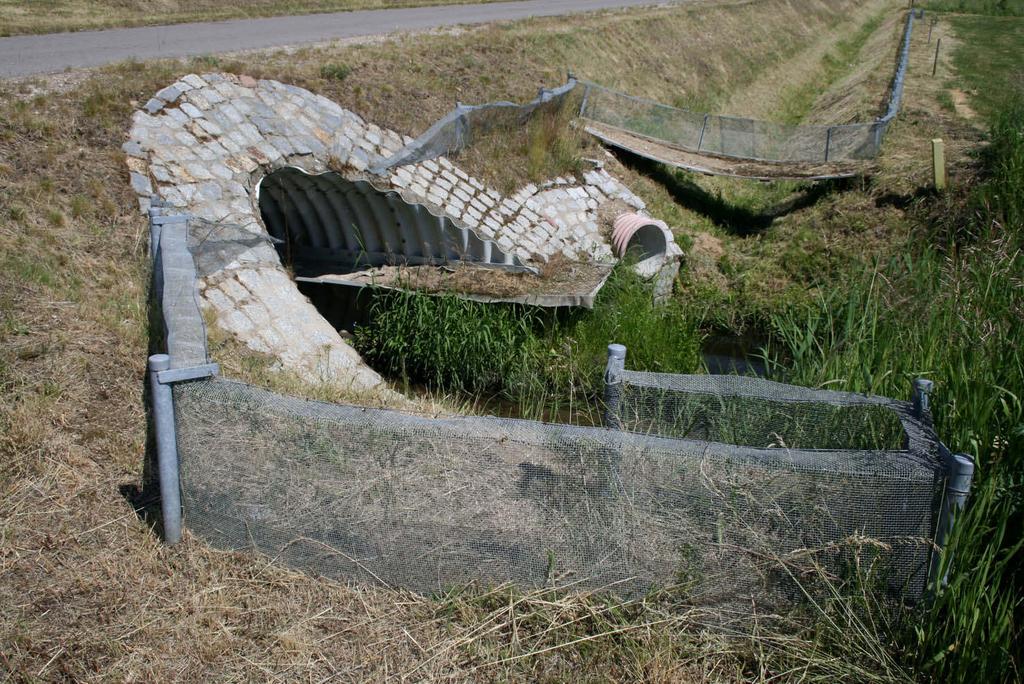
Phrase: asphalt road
(29, 55)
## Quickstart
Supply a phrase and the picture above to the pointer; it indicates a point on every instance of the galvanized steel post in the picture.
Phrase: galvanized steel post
(704, 127)
(154, 234)
(613, 385)
(166, 448)
(922, 388)
(954, 500)
(828, 142)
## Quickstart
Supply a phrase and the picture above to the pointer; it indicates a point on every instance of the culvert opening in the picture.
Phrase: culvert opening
(332, 231)
(641, 240)
(528, 352)
(328, 223)
(337, 236)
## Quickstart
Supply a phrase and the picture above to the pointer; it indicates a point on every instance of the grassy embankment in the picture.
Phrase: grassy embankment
(87, 588)
(950, 308)
(19, 17)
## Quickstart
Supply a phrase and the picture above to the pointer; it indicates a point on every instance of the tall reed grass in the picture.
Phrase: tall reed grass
(543, 362)
(953, 312)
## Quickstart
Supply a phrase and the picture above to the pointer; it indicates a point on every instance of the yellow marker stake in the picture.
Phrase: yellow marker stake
(939, 163)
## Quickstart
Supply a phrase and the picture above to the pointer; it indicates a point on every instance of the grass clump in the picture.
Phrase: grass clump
(446, 341)
(335, 71)
(511, 153)
(553, 147)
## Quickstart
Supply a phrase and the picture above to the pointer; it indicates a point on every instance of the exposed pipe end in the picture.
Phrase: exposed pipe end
(649, 236)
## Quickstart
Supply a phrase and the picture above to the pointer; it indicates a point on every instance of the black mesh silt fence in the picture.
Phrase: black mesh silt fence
(876, 467)
(431, 503)
(729, 136)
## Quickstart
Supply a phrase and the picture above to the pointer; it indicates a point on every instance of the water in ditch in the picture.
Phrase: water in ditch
(725, 354)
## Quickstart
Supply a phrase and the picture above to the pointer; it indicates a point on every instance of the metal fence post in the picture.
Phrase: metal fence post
(166, 448)
(704, 127)
(922, 388)
(583, 102)
(828, 142)
(958, 488)
(154, 234)
(613, 386)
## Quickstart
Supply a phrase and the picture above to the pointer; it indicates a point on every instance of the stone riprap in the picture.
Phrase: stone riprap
(203, 144)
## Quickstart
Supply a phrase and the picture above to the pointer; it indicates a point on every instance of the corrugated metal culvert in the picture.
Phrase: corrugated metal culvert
(326, 222)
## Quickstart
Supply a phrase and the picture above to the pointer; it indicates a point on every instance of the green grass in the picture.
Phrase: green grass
(446, 341)
(990, 7)
(949, 311)
(540, 362)
(335, 71)
(988, 59)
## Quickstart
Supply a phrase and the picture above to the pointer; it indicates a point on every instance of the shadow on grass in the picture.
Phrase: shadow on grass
(144, 498)
(738, 220)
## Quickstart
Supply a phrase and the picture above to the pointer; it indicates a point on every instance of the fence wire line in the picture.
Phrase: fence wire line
(743, 138)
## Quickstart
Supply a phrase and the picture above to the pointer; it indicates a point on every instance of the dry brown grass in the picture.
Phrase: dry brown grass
(862, 93)
(730, 44)
(49, 16)
(86, 590)
(767, 98)
(559, 276)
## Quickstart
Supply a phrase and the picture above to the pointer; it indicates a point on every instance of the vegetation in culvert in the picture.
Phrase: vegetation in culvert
(446, 341)
(538, 359)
